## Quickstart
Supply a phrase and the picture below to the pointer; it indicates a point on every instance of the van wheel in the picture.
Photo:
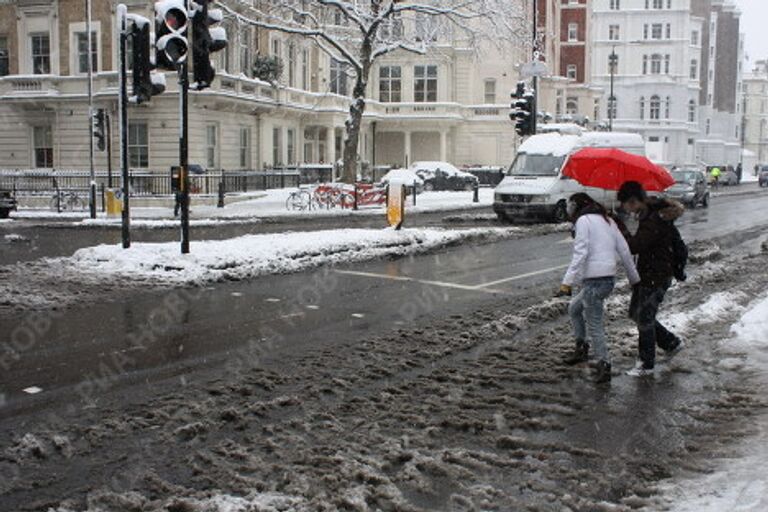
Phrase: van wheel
(705, 201)
(561, 212)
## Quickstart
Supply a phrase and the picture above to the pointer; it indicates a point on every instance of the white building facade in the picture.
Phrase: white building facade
(756, 112)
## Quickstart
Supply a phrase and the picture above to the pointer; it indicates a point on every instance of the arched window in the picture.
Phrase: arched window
(656, 64)
(642, 107)
(572, 106)
(655, 107)
(692, 111)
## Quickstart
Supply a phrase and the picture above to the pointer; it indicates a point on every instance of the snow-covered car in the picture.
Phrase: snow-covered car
(7, 204)
(690, 188)
(443, 176)
(405, 176)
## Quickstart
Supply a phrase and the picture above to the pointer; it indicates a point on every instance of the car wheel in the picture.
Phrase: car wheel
(5, 213)
(561, 212)
(705, 201)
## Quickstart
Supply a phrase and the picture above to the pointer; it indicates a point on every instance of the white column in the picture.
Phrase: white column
(330, 149)
(443, 146)
(407, 160)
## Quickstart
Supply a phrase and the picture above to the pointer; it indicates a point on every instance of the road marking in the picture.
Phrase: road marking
(358, 315)
(273, 300)
(237, 294)
(566, 241)
(32, 390)
(420, 281)
(313, 307)
(523, 276)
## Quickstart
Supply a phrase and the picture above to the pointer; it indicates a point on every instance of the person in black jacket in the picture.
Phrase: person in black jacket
(653, 244)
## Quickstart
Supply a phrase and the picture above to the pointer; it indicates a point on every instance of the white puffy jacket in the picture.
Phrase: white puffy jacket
(598, 246)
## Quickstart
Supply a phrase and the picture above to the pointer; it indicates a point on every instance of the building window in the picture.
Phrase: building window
(43, 145)
(571, 106)
(291, 146)
(615, 5)
(645, 64)
(655, 111)
(612, 107)
(694, 69)
(490, 92)
(138, 145)
(614, 32)
(709, 126)
(41, 54)
(246, 59)
(658, 4)
(669, 31)
(572, 71)
(667, 107)
(82, 52)
(655, 64)
(392, 29)
(291, 64)
(573, 32)
(695, 38)
(338, 77)
(666, 64)
(245, 147)
(390, 84)
(645, 31)
(656, 30)
(692, 111)
(211, 143)
(305, 69)
(613, 63)
(277, 147)
(425, 84)
(642, 108)
(4, 57)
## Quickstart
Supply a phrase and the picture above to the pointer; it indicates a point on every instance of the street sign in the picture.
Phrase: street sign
(535, 68)
(396, 205)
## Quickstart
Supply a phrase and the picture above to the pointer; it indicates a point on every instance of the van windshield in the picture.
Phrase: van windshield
(536, 165)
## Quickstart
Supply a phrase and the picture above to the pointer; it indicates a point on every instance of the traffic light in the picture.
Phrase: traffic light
(171, 22)
(206, 39)
(523, 105)
(145, 83)
(99, 128)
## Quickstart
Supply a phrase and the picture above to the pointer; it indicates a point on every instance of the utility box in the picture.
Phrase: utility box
(114, 202)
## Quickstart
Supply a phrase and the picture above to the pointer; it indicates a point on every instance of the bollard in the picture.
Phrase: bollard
(476, 193)
(103, 198)
(354, 207)
(414, 192)
(221, 195)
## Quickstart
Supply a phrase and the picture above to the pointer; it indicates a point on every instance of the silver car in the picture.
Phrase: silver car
(690, 188)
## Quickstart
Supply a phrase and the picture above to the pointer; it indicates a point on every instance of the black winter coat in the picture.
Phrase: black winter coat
(653, 242)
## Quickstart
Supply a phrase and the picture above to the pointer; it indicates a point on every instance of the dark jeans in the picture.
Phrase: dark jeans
(643, 310)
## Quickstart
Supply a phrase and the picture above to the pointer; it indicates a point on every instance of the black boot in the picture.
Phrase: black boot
(603, 372)
(580, 354)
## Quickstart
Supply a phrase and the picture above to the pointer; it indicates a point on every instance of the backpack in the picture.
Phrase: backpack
(679, 255)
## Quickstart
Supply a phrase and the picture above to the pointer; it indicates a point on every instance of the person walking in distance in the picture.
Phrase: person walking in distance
(598, 245)
(655, 245)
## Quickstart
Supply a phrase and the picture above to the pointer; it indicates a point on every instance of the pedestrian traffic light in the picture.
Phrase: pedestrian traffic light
(145, 83)
(99, 128)
(171, 22)
(206, 39)
(523, 106)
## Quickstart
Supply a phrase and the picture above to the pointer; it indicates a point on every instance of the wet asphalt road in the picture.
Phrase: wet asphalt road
(161, 334)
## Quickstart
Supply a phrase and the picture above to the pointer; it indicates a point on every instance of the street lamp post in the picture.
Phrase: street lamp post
(612, 98)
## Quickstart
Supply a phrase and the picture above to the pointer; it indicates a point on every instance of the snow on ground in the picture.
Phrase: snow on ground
(164, 223)
(741, 483)
(716, 307)
(252, 255)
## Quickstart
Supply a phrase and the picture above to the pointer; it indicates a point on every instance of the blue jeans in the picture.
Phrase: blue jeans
(586, 312)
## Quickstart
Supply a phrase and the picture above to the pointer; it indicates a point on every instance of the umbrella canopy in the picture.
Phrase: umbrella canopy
(610, 168)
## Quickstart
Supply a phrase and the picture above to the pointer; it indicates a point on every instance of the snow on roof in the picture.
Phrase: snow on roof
(549, 144)
(406, 176)
(608, 139)
(562, 128)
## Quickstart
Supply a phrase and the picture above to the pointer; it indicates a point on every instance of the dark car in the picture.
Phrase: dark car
(762, 176)
(7, 204)
(443, 176)
(690, 188)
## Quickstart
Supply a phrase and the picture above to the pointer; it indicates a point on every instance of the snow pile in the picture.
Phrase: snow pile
(253, 255)
(751, 333)
(717, 306)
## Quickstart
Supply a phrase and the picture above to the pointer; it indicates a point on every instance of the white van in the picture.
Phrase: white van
(534, 186)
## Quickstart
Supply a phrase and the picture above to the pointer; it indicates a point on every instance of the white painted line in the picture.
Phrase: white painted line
(32, 390)
(273, 300)
(420, 281)
(292, 315)
(523, 276)
(358, 315)
(566, 241)
(236, 294)
(313, 307)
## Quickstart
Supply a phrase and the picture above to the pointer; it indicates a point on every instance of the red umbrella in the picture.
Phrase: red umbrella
(610, 168)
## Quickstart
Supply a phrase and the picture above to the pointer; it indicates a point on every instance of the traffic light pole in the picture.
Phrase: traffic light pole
(89, 55)
(184, 153)
(535, 113)
(122, 23)
(108, 122)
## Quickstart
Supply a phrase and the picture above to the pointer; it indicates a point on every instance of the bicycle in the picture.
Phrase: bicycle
(67, 201)
(299, 200)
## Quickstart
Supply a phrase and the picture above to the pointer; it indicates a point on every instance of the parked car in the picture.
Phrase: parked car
(690, 188)
(491, 176)
(405, 176)
(7, 203)
(728, 176)
(443, 176)
(762, 176)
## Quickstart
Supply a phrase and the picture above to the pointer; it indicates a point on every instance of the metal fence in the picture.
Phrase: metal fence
(149, 183)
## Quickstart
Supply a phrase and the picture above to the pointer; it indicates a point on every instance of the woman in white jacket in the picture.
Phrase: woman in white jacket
(598, 246)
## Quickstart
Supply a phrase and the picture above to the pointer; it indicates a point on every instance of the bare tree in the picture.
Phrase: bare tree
(358, 32)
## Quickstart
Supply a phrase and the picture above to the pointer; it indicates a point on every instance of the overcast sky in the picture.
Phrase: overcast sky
(753, 23)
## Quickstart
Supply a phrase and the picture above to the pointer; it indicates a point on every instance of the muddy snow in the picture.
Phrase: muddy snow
(467, 413)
